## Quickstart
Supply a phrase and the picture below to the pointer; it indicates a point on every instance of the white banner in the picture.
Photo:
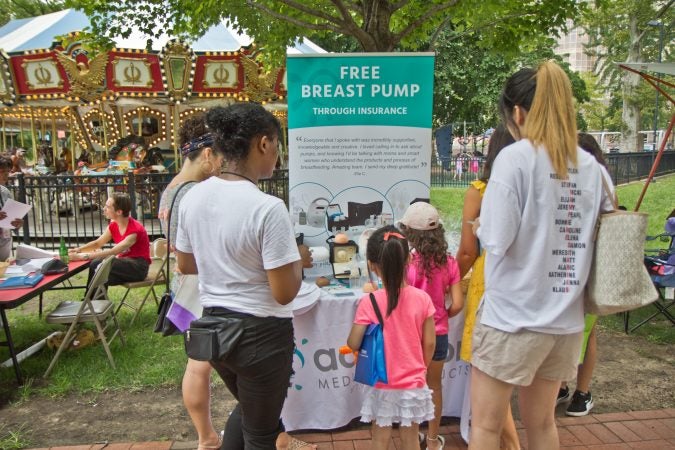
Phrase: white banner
(322, 393)
(359, 134)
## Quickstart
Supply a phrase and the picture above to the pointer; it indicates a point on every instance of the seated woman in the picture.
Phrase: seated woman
(132, 246)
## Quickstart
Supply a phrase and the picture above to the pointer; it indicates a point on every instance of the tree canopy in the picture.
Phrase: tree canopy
(629, 31)
(377, 25)
(19, 9)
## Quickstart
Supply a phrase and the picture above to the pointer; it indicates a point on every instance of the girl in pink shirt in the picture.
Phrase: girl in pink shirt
(409, 341)
(433, 270)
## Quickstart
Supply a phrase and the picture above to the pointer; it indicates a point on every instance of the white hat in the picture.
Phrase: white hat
(421, 216)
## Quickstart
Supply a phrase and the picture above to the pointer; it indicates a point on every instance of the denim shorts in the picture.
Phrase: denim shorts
(441, 351)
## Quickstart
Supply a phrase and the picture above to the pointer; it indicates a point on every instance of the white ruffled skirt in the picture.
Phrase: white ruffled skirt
(402, 406)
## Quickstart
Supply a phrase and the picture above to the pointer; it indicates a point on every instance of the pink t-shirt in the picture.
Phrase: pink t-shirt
(141, 249)
(435, 286)
(402, 335)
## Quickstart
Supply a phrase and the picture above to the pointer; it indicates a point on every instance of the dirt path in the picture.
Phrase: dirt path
(632, 374)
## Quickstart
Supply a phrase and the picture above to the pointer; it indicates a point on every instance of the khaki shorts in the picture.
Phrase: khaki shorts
(517, 358)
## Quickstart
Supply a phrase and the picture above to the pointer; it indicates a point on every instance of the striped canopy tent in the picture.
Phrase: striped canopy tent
(54, 86)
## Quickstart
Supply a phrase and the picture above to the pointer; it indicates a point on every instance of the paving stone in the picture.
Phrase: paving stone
(583, 420)
(653, 414)
(613, 417)
(660, 444)
(643, 431)
(351, 435)
(621, 446)
(603, 433)
(622, 431)
(343, 445)
(313, 437)
(584, 434)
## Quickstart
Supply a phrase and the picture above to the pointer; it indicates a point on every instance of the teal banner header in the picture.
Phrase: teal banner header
(360, 89)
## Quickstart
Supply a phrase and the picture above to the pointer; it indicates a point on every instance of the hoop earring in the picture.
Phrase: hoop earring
(211, 169)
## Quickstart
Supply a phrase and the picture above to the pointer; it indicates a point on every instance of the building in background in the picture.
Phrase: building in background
(571, 47)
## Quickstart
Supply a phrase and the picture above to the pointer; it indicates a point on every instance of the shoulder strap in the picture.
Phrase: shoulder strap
(377, 310)
(168, 231)
(608, 192)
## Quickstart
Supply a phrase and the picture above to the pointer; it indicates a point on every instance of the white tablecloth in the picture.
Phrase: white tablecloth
(322, 394)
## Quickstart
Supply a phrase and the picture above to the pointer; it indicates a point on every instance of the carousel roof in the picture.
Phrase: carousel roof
(42, 31)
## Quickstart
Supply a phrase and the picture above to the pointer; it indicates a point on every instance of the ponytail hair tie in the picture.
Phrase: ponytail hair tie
(389, 234)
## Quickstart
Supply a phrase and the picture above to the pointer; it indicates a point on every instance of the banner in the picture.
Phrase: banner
(323, 394)
(359, 131)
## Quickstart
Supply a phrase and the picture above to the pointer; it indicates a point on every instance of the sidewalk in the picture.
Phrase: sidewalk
(612, 431)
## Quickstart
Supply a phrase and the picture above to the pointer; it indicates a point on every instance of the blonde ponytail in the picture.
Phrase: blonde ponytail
(551, 121)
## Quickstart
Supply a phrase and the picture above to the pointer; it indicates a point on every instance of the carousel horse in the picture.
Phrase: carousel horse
(129, 152)
(18, 160)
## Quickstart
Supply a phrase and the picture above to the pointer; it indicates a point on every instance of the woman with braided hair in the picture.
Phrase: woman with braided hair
(200, 162)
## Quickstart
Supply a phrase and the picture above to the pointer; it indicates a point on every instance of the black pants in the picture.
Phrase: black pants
(257, 373)
(122, 270)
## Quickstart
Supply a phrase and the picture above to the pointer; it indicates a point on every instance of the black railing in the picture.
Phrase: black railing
(627, 167)
(72, 206)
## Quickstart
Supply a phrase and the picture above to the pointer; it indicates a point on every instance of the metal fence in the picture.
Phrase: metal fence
(72, 206)
(627, 167)
(623, 168)
(456, 171)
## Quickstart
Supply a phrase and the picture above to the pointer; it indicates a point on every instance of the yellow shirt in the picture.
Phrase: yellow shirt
(474, 293)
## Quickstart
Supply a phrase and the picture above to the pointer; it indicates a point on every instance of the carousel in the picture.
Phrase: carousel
(67, 108)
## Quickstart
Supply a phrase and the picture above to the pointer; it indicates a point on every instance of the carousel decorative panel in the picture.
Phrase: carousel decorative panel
(147, 122)
(131, 73)
(42, 74)
(178, 69)
(101, 128)
(7, 92)
(218, 74)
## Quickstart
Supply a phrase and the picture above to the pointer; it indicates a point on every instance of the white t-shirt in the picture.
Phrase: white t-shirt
(236, 234)
(537, 231)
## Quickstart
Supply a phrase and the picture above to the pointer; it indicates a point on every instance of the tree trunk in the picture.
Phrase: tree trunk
(376, 25)
(632, 140)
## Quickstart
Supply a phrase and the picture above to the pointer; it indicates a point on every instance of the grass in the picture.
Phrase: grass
(14, 439)
(149, 360)
(658, 203)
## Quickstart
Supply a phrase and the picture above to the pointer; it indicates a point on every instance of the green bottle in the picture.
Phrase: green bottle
(63, 251)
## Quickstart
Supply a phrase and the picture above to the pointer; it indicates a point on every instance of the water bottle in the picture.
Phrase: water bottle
(63, 251)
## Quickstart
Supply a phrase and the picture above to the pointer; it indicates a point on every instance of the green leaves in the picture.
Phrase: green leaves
(377, 25)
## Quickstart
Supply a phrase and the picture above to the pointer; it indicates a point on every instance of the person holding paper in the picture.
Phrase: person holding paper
(132, 246)
(6, 233)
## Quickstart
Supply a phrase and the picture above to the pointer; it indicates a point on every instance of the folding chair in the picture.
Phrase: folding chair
(661, 266)
(156, 276)
(88, 310)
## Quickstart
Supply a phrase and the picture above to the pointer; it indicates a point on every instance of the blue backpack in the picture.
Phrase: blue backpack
(371, 365)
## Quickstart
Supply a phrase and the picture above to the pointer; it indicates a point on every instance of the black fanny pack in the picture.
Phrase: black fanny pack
(212, 337)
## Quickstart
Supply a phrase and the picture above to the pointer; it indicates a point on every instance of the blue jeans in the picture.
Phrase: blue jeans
(257, 373)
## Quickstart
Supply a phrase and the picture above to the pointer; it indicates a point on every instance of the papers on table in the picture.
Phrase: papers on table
(14, 210)
(32, 265)
(24, 251)
(13, 271)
